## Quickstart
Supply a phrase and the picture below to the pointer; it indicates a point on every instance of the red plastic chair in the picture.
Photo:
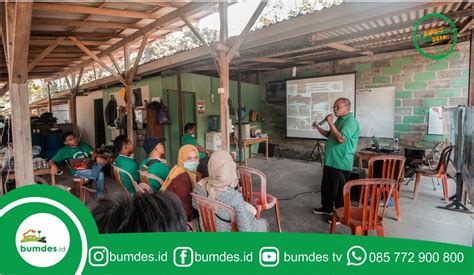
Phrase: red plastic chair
(261, 200)
(390, 165)
(117, 171)
(439, 172)
(365, 217)
(208, 207)
(83, 191)
(145, 177)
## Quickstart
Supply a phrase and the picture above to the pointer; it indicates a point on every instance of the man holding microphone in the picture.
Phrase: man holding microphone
(341, 146)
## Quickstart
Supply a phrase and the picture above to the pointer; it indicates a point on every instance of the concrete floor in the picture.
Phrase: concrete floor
(420, 218)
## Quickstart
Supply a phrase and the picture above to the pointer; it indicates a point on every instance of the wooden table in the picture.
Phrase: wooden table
(37, 173)
(251, 142)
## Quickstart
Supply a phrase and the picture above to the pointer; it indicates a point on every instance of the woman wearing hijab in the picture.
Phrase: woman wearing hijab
(220, 186)
(182, 178)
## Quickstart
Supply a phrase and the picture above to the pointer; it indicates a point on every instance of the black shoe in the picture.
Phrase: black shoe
(322, 211)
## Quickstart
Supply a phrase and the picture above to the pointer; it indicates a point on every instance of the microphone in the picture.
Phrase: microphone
(323, 121)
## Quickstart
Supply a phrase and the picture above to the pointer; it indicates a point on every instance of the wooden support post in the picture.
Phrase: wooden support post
(470, 95)
(224, 77)
(50, 107)
(239, 102)
(180, 104)
(129, 109)
(73, 102)
(18, 35)
(21, 132)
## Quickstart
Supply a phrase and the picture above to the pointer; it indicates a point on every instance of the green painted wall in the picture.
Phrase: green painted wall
(203, 87)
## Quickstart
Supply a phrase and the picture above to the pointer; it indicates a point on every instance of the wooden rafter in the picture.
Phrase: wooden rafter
(126, 59)
(67, 8)
(134, 69)
(97, 59)
(42, 34)
(85, 24)
(43, 42)
(199, 36)
(166, 19)
(47, 51)
(114, 61)
(245, 31)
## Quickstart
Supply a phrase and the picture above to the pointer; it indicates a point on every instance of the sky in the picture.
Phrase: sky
(240, 13)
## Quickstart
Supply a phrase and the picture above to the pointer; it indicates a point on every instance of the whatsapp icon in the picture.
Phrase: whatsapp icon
(356, 256)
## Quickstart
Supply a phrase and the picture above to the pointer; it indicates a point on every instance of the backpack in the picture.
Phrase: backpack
(163, 115)
(145, 167)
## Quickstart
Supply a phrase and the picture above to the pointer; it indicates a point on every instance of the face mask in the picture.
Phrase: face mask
(191, 166)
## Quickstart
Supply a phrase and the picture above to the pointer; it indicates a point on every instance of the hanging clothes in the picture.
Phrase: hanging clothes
(111, 112)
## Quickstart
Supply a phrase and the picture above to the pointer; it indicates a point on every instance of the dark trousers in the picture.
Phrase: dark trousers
(332, 187)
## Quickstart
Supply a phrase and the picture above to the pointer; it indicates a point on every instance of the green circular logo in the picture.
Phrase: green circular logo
(434, 36)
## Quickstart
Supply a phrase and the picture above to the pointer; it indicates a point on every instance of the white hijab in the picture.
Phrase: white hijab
(222, 174)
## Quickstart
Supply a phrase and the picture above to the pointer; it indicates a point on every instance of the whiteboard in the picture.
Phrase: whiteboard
(311, 99)
(376, 112)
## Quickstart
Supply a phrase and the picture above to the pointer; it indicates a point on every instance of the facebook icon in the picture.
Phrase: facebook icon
(183, 256)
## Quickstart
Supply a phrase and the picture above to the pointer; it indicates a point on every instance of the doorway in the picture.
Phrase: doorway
(180, 113)
(99, 122)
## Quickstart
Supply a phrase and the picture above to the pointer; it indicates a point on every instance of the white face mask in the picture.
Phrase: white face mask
(191, 166)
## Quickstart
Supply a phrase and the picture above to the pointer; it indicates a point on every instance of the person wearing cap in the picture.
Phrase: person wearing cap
(155, 164)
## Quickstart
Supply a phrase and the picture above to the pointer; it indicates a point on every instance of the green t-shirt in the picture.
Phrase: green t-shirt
(130, 165)
(189, 139)
(83, 150)
(158, 169)
(341, 155)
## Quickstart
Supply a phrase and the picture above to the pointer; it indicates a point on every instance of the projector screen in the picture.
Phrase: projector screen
(311, 99)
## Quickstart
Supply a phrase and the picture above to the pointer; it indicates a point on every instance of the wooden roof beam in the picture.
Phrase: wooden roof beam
(243, 35)
(42, 34)
(84, 24)
(81, 46)
(42, 42)
(166, 19)
(67, 8)
(47, 51)
(134, 69)
(199, 36)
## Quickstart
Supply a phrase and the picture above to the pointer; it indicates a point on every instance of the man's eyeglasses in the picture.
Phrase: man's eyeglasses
(337, 108)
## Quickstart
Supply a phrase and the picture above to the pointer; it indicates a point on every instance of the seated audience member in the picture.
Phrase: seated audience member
(155, 164)
(82, 160)
(154, 212)
(182, 178)
(124, 147)
(221, 186)
(189, 137)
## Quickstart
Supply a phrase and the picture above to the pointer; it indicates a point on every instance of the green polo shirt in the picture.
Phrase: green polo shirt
(83, 150)
(189, 139)
(130, 165)
(158, 169)
(341, 155)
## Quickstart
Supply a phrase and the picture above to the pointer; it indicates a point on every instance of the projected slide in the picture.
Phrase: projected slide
(311, 99)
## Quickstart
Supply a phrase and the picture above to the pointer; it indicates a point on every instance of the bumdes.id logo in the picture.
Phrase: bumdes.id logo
(42, 240)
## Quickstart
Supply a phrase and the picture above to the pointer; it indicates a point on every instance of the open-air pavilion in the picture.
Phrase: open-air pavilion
(52, 41)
